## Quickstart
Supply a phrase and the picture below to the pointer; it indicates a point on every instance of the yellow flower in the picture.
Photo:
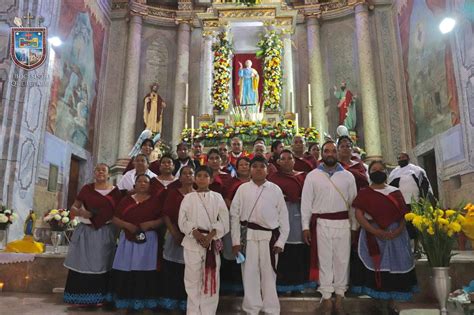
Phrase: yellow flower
(439, 212)
(426, 221)
(450, 233)
(455, 227)
(468, 206)
(410, 216)
(450, 213)
(460, 219)
(417, 222)
(54, 211)
(443, 221)
(430, 230)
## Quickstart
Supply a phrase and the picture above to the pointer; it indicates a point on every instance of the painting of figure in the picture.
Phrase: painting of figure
(428, 68)
(76, 73)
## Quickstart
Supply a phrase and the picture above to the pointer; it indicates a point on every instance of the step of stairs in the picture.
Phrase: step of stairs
(232, 305)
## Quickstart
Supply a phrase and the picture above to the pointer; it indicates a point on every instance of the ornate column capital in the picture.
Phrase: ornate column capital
(361, 7)
(313, 19)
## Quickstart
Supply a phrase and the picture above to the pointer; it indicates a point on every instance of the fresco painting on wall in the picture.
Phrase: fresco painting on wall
(76, 72)
(428, 67)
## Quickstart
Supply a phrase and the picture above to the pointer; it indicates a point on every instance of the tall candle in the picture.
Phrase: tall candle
(192, 128)
(310, 116)
(297, 124)
(309, 94)
(1, 286)
(186, 97)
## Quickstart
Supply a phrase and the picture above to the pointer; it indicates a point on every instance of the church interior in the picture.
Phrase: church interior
(393, 75)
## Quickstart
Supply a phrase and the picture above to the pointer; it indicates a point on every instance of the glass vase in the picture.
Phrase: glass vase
(57, 238)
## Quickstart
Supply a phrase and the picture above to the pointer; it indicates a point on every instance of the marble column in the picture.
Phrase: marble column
(130, 88)
(367, 84)
(206, 101)
(318, 112)
(182, 78)
(288, 80)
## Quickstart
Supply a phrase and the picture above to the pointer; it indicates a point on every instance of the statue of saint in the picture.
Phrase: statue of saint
(346, 106)
(248, 84)
(153, 109)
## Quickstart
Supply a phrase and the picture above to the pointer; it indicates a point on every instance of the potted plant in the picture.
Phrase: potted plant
(437, 229)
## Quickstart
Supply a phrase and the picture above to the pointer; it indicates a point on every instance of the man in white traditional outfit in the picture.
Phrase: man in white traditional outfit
(326, 201)
(204, 220)
(410, 179)
(259, 205)
(413, 184)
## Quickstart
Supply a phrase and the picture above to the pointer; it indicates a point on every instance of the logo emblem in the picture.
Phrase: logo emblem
(28, 46)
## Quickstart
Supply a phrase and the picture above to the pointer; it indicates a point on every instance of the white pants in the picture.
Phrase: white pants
(194, 272)
(334, 246)
(259, 280)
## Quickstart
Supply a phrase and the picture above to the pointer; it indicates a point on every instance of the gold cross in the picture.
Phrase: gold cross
(28, 18)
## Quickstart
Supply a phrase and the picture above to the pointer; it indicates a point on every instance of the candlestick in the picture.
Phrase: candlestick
(297, 124)
(186, 96)
(192, 128)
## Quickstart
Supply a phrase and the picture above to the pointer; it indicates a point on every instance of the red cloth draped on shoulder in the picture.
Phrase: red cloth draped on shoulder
(302, 165)
(384, 210)
(102, 206)
(157, 188)
(291, 185)
(219, 182)
(311, 160)
(172, 204)
(130, 211)
(231, 188)
(360, 173)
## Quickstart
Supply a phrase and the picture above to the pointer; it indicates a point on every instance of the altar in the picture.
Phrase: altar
(248, 88)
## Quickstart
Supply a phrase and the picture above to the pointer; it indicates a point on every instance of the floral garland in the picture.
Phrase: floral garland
(310, 134)
(271, 48)
(222, 51)
(248, 131)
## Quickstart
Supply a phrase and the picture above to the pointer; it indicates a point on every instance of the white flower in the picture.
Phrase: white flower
(65, 220)
(57, 217)
(65, 213)
(3, 218)
(74, 222)
(7, 211)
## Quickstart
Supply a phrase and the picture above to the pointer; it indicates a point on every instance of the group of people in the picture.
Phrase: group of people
(228, 221)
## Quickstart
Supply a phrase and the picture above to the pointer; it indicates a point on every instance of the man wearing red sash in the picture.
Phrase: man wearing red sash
(326, 200)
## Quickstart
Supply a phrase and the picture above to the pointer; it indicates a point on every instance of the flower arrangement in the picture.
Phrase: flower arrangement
(60, 219)
(310, 134)
(271, 49)
(7, 216)
(222, 73)
(248, 131)
(436, 228)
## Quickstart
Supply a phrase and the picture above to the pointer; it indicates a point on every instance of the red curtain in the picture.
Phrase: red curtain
(256, 64)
